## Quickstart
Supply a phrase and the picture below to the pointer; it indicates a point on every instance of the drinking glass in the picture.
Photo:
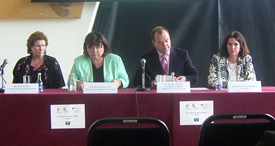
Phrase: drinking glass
(26, 79)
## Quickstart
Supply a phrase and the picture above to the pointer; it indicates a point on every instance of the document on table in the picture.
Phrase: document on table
(199, 88)
(66, 116)
(195, 112)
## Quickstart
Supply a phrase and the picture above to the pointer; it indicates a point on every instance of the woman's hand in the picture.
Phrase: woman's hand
(152, 84)
(79, 85)
(118, 82)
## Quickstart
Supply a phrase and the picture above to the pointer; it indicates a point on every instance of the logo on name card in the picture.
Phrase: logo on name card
(196, 119)
(68, 123)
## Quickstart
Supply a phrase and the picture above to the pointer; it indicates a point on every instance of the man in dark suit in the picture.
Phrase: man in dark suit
(177, 61)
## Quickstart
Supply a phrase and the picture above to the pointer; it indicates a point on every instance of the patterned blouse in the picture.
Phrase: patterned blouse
(245, 70)
(50, 72)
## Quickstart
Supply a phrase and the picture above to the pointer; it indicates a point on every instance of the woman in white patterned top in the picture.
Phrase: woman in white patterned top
(233, 61)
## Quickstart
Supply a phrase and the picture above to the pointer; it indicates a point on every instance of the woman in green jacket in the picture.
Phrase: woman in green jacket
(99, 63)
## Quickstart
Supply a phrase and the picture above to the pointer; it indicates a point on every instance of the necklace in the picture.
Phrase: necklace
(233, 68)
(38, 63)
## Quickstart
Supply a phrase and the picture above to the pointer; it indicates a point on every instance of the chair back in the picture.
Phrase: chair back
(235, 129)
(142, 131)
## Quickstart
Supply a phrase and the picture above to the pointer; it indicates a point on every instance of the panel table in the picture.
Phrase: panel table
(25, 118)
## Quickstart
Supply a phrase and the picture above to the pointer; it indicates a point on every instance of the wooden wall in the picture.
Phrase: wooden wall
(25, 9)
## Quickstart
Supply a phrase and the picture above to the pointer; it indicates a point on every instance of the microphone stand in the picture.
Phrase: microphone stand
(3, 80)
(143, 88)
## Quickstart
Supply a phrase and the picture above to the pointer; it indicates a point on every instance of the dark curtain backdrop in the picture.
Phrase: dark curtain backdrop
(255, 19)
(197, 26)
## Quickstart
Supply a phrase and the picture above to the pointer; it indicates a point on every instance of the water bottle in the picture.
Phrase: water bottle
(173, 76)
(72, 86)
(219, 82)
(39, 81)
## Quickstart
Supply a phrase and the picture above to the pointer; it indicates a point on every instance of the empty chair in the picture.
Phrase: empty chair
(142, 131)
(244, 129)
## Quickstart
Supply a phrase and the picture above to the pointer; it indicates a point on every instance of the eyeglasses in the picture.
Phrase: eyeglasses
(96, 47)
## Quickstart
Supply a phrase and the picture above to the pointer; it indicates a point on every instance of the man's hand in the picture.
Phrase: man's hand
(181, 78)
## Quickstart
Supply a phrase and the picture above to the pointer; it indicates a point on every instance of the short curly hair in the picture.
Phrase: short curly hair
(33, 38)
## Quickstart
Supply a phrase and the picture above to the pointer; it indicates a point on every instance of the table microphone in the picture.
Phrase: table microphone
(6, 61)
(142, 62)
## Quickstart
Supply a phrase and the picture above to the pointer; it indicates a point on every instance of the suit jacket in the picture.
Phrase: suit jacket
(113, 68)
(245, 70)
(180, 63)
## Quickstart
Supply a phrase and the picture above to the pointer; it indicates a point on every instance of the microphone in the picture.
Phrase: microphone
(142, 62)
(6, 61)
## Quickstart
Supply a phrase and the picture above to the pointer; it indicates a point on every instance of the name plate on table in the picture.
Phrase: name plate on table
(100, 87)
(19, 88)
(195, 112)
(173, 87)
(67, 116)
(249, 86)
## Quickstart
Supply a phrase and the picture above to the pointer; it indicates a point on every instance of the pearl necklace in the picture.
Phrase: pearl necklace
(233, 68)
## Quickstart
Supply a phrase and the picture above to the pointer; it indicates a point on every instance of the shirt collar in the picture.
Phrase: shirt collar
(168, 53)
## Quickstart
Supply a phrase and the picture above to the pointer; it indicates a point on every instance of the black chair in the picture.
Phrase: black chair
(142, 131)
(268, 139)
(235, 129)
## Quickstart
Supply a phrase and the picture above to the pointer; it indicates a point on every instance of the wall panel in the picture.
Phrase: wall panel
(25, 9)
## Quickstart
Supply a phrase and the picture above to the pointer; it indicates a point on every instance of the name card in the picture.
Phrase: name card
(67, 116)
(195, 112)
(19, 88)
(173, 87)
(100, 87)
(249, 86)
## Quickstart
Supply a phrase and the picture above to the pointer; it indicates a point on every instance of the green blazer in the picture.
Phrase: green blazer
(113, 68)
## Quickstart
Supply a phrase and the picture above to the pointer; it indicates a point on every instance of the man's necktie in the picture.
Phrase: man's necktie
(164, 63)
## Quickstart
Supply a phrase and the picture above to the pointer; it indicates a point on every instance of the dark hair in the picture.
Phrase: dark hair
(239, 37)
(159, 30)
(35, 37)
(95, 39)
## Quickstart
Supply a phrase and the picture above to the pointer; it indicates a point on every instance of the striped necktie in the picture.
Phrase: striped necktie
(164, 64)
